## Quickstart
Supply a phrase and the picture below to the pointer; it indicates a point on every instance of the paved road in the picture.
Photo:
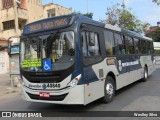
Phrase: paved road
(139, 96)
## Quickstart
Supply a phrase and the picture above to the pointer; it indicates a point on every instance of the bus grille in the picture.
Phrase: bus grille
(51, 98)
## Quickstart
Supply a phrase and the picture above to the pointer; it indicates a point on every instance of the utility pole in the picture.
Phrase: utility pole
(87, 6)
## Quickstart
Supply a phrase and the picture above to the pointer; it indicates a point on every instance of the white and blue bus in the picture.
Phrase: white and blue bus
(73, 59)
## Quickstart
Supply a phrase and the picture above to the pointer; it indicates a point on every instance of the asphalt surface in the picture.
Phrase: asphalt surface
(139, 96)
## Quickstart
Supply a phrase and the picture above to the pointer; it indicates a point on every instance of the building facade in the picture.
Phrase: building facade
(153, 28)
(4, 58)
(51, 10)
(14, 14)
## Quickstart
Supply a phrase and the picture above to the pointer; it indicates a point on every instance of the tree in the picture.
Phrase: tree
(113, 14)
(89, 14)
(119, 16)
(155, 35)
(127, 20)
(156, 1)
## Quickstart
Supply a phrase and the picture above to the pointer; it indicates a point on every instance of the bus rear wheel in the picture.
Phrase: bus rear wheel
(109, 90)
(145, 74)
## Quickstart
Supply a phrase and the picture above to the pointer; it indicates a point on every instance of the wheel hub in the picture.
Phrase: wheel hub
(145, 74)
(109, 89)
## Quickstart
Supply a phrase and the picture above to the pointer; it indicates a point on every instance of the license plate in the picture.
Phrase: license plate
(44, 94)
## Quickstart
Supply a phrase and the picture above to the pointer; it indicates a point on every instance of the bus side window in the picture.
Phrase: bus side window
(109, 43)
(143, 47)
(120, 47)
(136, 46)
(129, 45)
(90, 49)
(148, 47)
(84, 45)
(92, 45)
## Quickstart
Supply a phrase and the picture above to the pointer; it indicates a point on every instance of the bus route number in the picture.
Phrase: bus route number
(53, 85)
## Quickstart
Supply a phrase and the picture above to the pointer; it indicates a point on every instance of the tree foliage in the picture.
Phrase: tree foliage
(89, 14)
(155, 35)
(156, 1)
(120, 16)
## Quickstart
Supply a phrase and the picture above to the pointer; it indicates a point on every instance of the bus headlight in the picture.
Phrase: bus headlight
(75, 81)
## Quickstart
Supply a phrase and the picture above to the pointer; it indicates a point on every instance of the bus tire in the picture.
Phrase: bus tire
(145, 74)
(109, 90)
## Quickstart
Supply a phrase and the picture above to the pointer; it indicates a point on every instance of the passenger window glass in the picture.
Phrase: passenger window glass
(143, 47)
(129, 45)
(91, 48)
(136, 46)
(84, 45)
(120, 46)
(109, 43)
(149, 47)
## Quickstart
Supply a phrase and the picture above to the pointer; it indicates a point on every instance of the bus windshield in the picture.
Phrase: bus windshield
(58, 48)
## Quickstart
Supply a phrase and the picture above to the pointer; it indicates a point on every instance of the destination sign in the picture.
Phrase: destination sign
(46, 25)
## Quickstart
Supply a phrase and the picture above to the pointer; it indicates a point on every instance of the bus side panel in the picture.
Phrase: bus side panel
(148, 60)
(94, 91)
(94, 79)
(94, 84)
(127, 66)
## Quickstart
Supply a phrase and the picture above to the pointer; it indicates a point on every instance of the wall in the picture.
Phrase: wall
(35, 10)
(59, 10)
(4, 62)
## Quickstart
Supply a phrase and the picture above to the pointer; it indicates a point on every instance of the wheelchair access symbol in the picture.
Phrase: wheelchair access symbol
(47, 66)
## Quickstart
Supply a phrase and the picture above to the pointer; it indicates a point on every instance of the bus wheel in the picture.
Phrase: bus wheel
(145, 75)
(109, 90)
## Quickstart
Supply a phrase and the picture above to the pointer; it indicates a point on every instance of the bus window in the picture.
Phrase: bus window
(109, 42)
(149, 47)
(84, 45)
(120, 47)
(136, 46)
(90, 47)
(129, 45)
(90, 44)
(143, 46)
(93, 47)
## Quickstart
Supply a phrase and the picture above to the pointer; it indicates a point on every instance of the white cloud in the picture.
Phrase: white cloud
(152, 18)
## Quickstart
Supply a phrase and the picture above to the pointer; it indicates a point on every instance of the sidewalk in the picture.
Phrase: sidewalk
(5, 86)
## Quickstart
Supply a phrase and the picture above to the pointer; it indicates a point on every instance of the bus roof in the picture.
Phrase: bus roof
(135, 34)
(67, 20)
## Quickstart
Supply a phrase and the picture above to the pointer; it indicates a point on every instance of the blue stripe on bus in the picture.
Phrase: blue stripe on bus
(88, 76)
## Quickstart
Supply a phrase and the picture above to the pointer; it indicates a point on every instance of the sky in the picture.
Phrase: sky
(144, 10)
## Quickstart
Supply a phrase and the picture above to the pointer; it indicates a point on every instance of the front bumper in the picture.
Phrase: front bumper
(74, 95)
